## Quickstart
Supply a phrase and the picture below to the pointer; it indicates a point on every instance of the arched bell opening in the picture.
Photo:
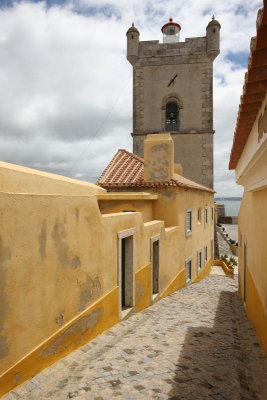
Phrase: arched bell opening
(171, 117)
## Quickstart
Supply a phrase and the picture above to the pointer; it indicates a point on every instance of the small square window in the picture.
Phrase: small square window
(188, 222)
(206, 216)
(199, 260)
(188, 270)
(205, 255)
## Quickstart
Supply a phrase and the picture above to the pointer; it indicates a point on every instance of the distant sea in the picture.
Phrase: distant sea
(231, 205)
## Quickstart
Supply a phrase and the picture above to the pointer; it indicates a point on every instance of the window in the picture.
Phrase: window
(171, 117)
(188, 270)
(188, 222)
(212, 214)
(206, 216)
(205, 255)
(199, 215)
(199, 260)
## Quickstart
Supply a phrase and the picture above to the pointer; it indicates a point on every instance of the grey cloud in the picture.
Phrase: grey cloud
(66, 87)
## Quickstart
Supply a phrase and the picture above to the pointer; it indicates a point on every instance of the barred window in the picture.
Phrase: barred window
(199, 260)
(188, 270)
(205, 255)
(206, 216)
(188, 222)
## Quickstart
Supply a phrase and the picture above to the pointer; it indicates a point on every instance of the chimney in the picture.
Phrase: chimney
(158, 158)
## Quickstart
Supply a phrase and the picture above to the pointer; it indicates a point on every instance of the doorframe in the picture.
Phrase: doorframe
(152, 241)
(123, 235)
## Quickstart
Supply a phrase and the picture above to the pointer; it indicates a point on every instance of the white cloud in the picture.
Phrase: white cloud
(66, 86)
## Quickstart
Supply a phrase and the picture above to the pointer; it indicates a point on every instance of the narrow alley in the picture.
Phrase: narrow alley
(195, 344)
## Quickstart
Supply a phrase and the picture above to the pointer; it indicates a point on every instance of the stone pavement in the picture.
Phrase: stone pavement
(216, 270)
(195, 344)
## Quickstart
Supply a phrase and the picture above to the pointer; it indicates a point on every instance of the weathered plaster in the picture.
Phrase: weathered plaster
(17, 378)
(60, 318)
(89, 290)
(85, 323)
(64, 255)
(42, 240)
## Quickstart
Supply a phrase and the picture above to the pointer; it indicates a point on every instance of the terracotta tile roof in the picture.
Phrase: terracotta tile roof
(127, 170)
(254, 89)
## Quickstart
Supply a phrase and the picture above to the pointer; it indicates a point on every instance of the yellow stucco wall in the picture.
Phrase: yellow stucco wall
(17, 179)
(115, 206)
(252, 223)
(205, 271)
(59, 264)
(176, 247)
(255, 312)
(177, 283)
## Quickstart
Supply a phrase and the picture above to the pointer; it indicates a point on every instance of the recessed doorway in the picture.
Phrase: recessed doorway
(155, 266)
(126, 272)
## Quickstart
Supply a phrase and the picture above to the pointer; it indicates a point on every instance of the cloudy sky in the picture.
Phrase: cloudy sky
(66, 86)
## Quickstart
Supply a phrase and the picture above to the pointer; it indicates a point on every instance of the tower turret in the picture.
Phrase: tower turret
(132, 44)
(213, 38)
(171, 32)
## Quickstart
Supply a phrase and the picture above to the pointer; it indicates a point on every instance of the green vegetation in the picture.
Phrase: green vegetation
(231, 262)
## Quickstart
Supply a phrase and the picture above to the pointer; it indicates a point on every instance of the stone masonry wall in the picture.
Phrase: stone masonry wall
(153, 72)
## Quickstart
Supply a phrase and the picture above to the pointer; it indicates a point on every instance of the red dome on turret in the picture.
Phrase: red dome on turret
(170, 27)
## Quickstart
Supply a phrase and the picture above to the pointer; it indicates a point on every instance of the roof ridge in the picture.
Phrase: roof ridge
(133, 155)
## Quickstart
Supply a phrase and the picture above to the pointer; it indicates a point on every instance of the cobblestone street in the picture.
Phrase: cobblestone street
(195, 344)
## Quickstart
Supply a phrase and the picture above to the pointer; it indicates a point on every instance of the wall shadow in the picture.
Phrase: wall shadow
(213, 361)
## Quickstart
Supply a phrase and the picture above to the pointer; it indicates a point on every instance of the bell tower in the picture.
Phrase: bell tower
(173, 92)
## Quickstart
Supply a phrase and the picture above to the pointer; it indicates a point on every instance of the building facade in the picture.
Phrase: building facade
(76, 259)
(249, 159)
(173, 92)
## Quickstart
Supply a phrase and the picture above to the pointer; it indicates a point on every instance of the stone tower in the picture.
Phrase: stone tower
(172, 92)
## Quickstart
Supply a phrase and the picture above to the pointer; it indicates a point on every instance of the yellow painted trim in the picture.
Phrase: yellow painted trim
(143, 288)
(177, 283)
(255, 311)
(141, 268)
(96, 319)
(203, 273)
(228, 271)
